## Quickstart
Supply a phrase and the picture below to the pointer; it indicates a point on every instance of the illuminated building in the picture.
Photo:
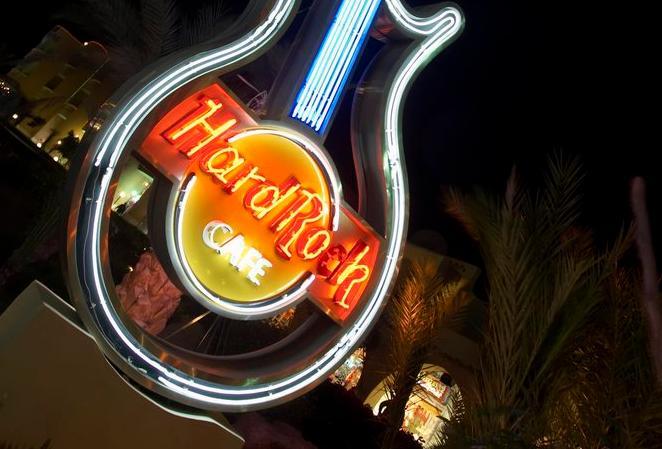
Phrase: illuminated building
(63, 81)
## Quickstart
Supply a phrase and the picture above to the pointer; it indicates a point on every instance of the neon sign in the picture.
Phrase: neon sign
(268, 203)
(240, 257)
(249, 217)
(198, 129)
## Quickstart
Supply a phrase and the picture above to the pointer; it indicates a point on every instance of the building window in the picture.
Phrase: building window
(54, 82)
(77, 99)
(77, 60)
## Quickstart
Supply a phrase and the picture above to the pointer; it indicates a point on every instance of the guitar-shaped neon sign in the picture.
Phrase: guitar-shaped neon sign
(248, 215)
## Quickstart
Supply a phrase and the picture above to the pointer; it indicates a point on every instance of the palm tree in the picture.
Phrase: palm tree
(546, 283)
(605, 395)
(423, 303)
(137, 33)
(650, 295)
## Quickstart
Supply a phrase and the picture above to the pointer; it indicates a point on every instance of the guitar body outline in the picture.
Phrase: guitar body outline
(379, 160)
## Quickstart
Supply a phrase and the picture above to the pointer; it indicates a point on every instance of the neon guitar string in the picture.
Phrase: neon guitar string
(326, 79)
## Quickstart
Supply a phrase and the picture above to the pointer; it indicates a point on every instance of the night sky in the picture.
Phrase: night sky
(524, 80)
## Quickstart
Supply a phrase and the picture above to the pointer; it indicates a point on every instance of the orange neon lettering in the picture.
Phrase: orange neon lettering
(306, 209)
(306, 199)
(358, 274)
(313, 242)
(265, 197)
(249, 171)
(331, 260)
(343, 269)
(358, 252)
(196, 130)
(220, 162)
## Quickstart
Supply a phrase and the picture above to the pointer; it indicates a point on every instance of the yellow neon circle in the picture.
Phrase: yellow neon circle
(277, 158)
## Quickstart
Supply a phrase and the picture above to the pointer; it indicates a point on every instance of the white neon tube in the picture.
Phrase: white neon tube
(340, 80)
(328, 45)
(321, 64)
(334, 63)
(340, 65)
(331, 65)
(436, 32)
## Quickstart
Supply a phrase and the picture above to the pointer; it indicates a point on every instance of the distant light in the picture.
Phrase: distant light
(146, 184)
(76, 136)
(130, 268)
(15, 116)
(39, 145)
(59, 142)
(85, 43)
(55, 158)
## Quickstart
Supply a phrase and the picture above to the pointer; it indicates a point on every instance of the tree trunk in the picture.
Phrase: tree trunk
(395, 411)
(650, 296)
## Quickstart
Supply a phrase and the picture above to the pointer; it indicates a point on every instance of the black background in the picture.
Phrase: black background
(524, 80)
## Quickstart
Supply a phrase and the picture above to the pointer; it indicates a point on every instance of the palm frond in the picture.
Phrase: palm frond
(205, 24)
(546, 286)
(606, 395)
(160, 22)
(115, 21)
(138, 32)
(561, 196)
(423, 303)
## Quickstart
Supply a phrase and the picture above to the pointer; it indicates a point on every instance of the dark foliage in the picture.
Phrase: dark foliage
(33, 236)
(331, 417)
(69, 145)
